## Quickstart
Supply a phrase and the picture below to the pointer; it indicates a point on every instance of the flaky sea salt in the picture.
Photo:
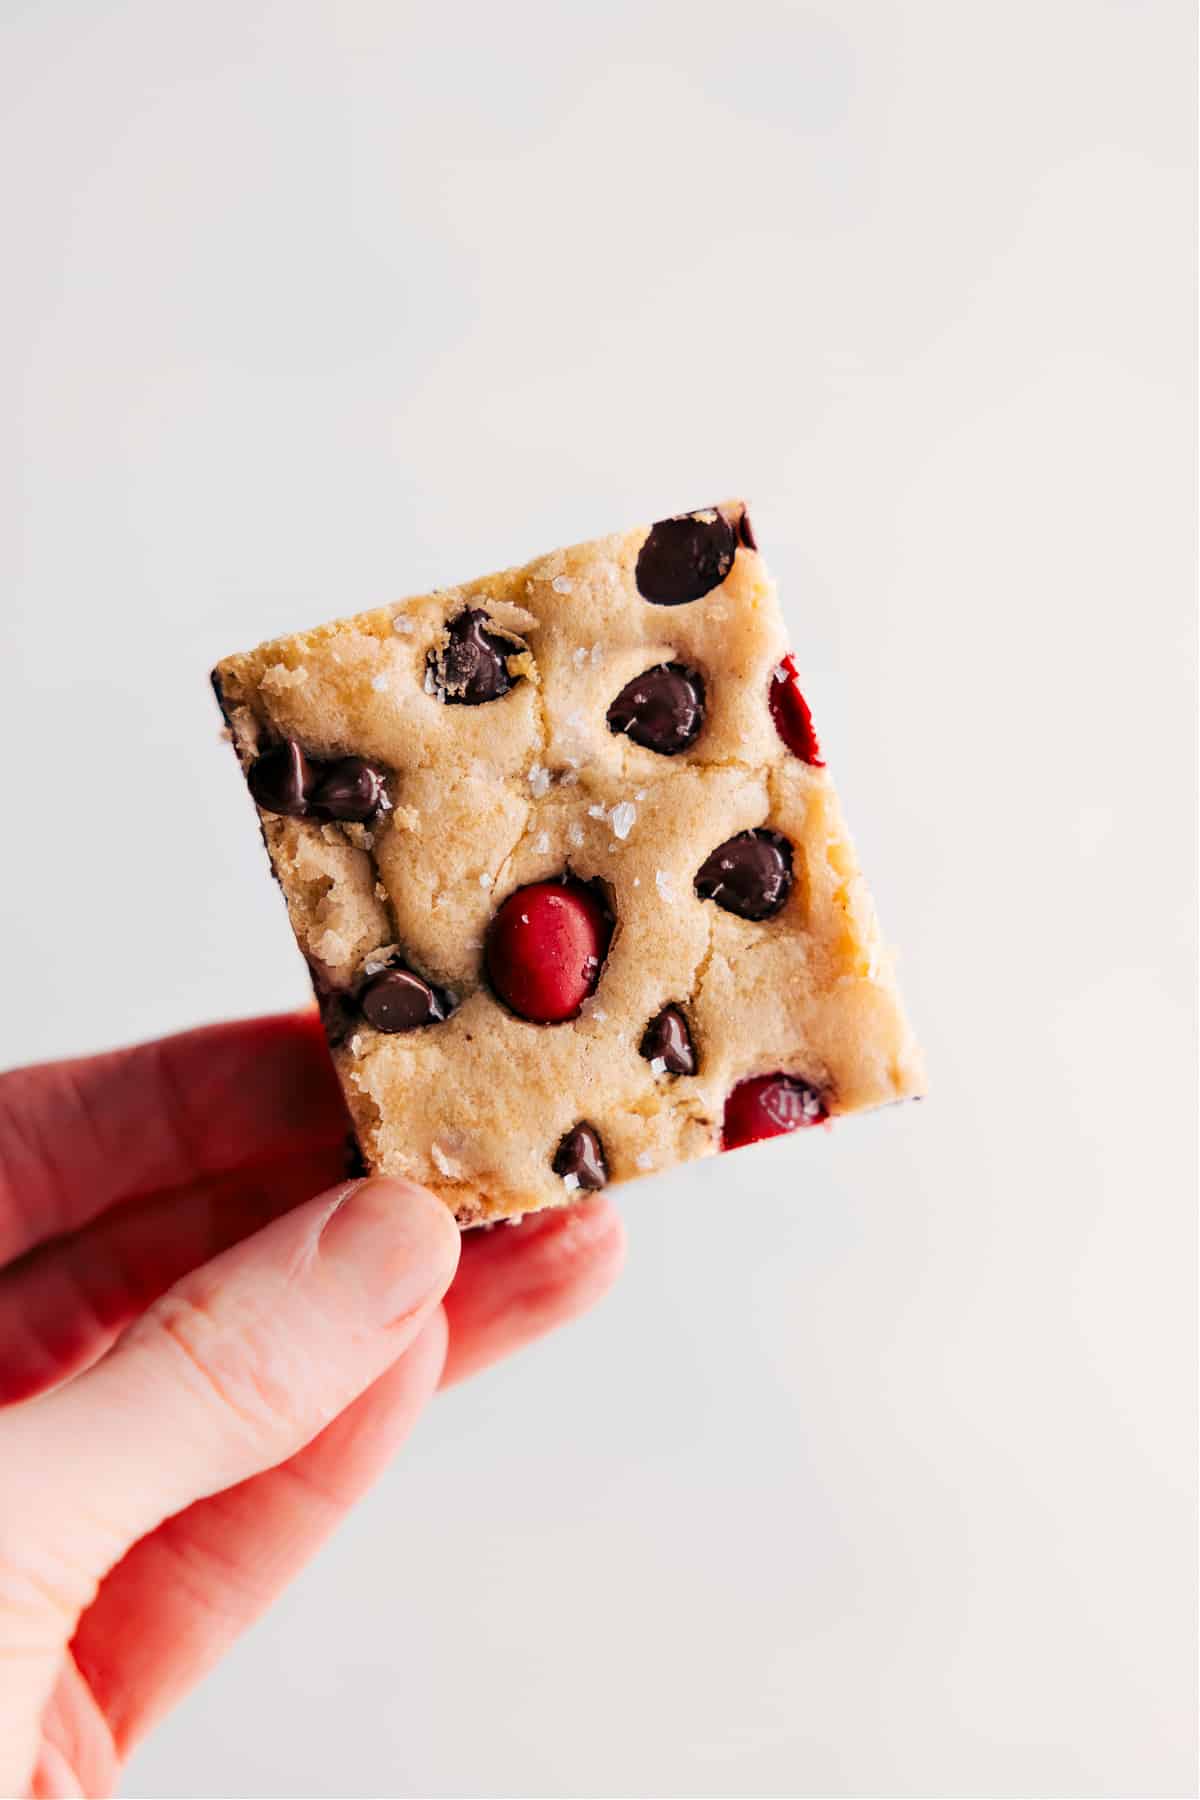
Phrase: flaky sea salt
(579, 656)
(575, 834)
(379, 683)
(597, 654)
(570, 1182)
(622, 818)
(402, 625)
(485, 880)
(542, 843)
(662, 882)
(644, 1160)
(597, 812)
(379, 959)
(539, 780)
(562, 584)
(658, 1064)
(356, 1045)
(444, 1164)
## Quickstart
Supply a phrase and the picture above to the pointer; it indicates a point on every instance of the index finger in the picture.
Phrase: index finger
(77, 1136)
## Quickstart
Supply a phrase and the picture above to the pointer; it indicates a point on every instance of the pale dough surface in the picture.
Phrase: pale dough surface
(488, 798)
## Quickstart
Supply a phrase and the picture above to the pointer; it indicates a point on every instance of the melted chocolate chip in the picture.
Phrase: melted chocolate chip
(746, 531)
(473, 667)
(398, 1000)
(580, 1158)
(662, 709)
(668, 1040)
(685, 557)
(350, 788)
(750, 874)
(281, 779)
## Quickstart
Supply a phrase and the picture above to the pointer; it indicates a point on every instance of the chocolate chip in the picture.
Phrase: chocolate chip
(579, 1159)
(338, 1012)
(398, 1000)
(281, 780)
(746, 531)
(661, 709)
(350, 788)
(473, 667)
(668, 1040)
(685, 557)
(750, 874)
(353, 1160)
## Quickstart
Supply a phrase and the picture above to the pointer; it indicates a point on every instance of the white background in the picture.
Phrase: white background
(877, 1476)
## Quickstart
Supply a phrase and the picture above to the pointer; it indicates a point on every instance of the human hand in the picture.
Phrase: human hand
(202, 1367)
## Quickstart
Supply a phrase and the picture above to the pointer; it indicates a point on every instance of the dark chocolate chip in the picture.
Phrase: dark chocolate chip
(281, 779)
(685, 557)
(354, 1162)
(473, 667)
(668, 1040)
(746, 531)
(398, 1000)
(750, 874)
(661, 709)
(350, 788)
(581, 1154)
(338, 1012)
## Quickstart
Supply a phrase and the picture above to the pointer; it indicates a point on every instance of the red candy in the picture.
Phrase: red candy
(768, 1106)
(789, 709)
(545, 949)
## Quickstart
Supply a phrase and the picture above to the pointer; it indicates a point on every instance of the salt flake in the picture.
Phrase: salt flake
(379, 683)
(570, 1182)
(562, 584)
(622, 818)
(662, 882)
(539, 780)
(402, 625)
(644, 1160)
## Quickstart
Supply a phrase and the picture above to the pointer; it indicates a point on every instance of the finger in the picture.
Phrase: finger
(514, 1283)
(65, 1303)
(232, 1371)
(177, 1601)
(149, 1637)
(77, 1136)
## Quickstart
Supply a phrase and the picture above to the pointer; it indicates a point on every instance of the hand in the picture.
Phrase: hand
(213, 1365)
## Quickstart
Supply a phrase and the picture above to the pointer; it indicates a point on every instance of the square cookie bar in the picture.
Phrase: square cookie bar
(568, 870)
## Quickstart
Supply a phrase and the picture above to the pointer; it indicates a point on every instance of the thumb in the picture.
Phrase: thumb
(236, 1367)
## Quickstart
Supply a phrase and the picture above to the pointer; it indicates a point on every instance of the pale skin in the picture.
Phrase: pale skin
(210, 1346)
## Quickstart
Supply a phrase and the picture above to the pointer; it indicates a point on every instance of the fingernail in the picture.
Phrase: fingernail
(395, 1241)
